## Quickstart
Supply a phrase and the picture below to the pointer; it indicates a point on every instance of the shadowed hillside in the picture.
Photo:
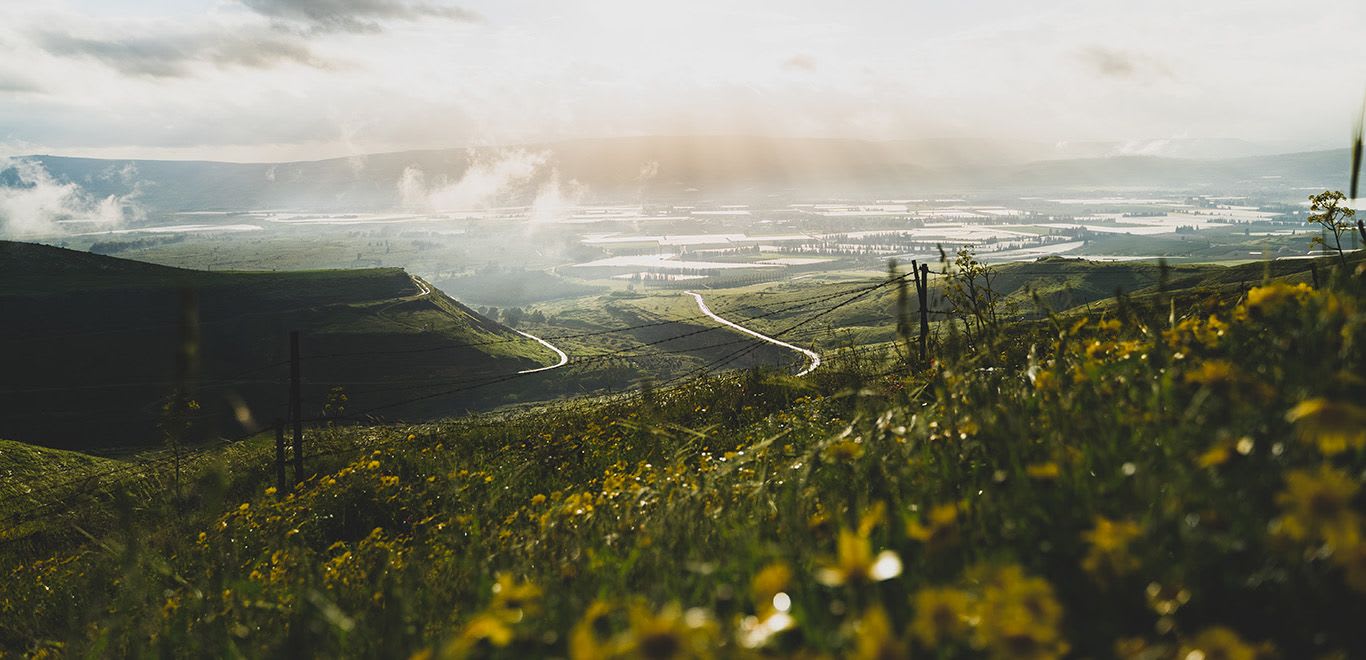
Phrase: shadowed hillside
(104, 332)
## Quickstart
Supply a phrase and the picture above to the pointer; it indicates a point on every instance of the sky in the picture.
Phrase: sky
(272, 80)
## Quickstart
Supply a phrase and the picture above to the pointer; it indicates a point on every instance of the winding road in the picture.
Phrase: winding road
(814, 357)
(564, 359)
(424, 290)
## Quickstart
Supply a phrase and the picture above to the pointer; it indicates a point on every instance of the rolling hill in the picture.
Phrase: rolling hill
(91, 344)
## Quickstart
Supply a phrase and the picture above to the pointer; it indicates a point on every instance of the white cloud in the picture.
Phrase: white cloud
(484, 183)
(33, 203)
(530, 71)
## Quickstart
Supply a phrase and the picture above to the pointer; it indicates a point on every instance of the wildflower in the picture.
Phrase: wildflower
(1044, 380)
(939, 528)
(270, 491)
(373, 465)
(1214, 456)
(537, 499)
(941, 615)
(411, 437)
(1020, 616)
(768, 583)
(755, 632)
(584, 639)
(844, 451)
(1317, 505)
(1109, 547)
(873, 636)
(1333, 426)
(388, 481)
(1043, 471)
(482, 628)
(672, 633)
(1267, 299)
(1217, 643)
(856, 563)
(512, 597)
(1212, 372)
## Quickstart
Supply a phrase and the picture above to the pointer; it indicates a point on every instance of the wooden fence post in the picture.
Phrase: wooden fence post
(922, 288)
(280, 454)
(296, 406)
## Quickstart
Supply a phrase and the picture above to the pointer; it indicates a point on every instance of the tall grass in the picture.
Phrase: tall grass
(1143, 484)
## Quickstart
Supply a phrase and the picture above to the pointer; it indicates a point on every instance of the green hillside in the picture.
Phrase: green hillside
(1025, 290)
(104, 334)
(1145, 480)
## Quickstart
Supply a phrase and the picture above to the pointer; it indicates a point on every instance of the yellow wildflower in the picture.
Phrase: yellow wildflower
(1109, 547)
(1214, 456)
(1043, 471)
(843, 451)
(769, 582)
(941, 615)
(672, 633)
(1268, 299)
(940, 527)
(1020, 616)
(512, 597)
(584, 643)
(1212, 372)
(874, 638)
(1333, 426)
(1317, 505)
(482, 628)
(856, 563)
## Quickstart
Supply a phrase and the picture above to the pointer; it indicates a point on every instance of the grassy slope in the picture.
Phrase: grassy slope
(93, 343)
(25, 468)
(1125, 479)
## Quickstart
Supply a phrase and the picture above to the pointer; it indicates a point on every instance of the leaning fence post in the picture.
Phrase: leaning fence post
(280, 454)
(296, 406)
(922, 287)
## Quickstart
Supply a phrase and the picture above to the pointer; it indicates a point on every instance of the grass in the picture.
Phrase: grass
(1130, 483)
(116, 323)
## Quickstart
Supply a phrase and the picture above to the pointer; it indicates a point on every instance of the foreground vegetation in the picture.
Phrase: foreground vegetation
(1149, 481)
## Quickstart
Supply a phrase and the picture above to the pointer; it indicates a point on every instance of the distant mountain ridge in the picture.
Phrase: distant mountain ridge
(664, 169)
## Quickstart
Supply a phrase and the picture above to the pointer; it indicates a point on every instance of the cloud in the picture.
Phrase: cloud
(15, 84)
(555, 202)
(33, 203)
(1112, 63)
(800, 62)
(482, 185)
(359, 16)
(172, 55)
